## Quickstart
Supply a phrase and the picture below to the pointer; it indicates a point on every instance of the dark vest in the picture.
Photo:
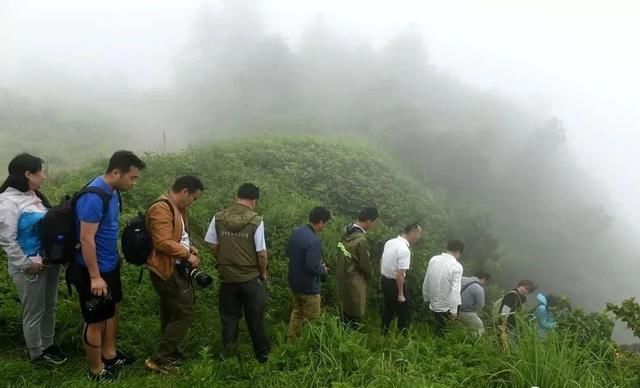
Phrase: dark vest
(237, 260)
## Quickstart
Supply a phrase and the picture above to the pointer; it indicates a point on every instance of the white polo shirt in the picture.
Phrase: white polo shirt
(396, 256)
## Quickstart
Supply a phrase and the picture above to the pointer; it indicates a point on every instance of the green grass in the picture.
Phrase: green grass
(294, 175)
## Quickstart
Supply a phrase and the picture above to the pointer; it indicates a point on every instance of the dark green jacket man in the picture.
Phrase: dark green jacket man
(353, 270)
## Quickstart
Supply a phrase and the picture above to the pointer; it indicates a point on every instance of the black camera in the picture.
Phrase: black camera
(95, 301)
(202, 278)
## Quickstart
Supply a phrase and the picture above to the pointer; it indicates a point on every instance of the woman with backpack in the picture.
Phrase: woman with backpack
(22, 207)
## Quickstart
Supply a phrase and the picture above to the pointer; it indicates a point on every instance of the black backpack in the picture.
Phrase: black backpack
(136, 241)
(58, 233)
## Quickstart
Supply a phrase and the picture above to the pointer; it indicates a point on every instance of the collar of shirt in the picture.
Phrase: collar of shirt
(448, 255)
(405, 241)
(359, 227)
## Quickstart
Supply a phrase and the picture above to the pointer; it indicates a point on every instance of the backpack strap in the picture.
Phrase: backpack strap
(468, 285)
(106, 198)
(170, 204)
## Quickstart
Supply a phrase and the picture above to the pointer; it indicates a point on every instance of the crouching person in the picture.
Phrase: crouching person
(172, 256)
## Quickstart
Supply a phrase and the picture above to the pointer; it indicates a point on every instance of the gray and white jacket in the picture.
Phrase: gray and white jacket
(20, 215)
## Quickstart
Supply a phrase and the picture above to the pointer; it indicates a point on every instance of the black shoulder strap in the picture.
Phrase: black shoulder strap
(106, 198)
(119, 200)
(468, 284)
(173, 212)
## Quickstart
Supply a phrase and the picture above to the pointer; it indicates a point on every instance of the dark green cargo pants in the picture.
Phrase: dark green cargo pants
(176, 313)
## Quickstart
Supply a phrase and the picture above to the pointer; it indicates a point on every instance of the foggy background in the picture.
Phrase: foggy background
(528, 109)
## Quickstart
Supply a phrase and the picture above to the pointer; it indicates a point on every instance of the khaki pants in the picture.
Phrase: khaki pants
(176, 313)
(472, 320)
(305, 308)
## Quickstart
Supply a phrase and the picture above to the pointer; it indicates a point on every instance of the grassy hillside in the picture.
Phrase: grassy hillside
(294, 175)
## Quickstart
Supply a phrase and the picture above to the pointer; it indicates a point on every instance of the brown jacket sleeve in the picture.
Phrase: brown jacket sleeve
(160, 227)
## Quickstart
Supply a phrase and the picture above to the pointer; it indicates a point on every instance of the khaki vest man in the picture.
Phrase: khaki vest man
(236, 237)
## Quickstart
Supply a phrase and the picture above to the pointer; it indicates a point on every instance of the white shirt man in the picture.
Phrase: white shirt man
(396, 256)
(442, 283)
(395, 261)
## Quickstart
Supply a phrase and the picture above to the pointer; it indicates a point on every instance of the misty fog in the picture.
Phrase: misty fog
(528, 112)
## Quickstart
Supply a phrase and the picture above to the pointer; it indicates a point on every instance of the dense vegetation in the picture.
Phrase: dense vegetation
(515, 161)
(296, 174)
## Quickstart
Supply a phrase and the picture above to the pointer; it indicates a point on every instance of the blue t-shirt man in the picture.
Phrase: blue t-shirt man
(89, 208)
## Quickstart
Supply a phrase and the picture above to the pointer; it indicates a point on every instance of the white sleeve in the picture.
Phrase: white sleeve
(455, 297)
(258, 238)
(425, 288)
(212, 235)
(404, 259)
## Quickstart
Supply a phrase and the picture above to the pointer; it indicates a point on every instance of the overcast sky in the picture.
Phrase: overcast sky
(578, 60)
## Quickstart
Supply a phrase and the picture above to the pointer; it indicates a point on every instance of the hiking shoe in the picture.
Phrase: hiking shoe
(262, 358)
(119, 360)
(40, 361)
(55, 355)
(176, 358)
(47, 360)
(105, 376)
(157, 366)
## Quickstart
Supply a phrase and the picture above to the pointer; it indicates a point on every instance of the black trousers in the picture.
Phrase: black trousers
(391, 308)
(442, 320)
(250, 297)
(352, 323)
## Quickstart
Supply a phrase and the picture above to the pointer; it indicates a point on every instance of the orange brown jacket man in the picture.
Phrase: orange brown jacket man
(169, 262)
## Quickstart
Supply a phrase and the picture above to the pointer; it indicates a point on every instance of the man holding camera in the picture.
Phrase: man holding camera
(236, 237)
(96, 269)
(169, 264)
(306, 270)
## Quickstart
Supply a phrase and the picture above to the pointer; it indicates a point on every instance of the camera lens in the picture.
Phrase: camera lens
(201, 278)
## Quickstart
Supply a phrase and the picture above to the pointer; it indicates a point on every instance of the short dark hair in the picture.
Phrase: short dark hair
(531, 286)
(411, 227)
(368, 214)
(248, 191)
(319, 214)
(189, 182)
(455, 246)
(124, 160)
(483, 275)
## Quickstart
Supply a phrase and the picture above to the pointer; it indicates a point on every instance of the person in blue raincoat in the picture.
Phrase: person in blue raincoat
(543, 315)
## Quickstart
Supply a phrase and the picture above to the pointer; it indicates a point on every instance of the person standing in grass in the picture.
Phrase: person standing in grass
(509, 305)
(236, 237)
(96, 269)
(472, 296)
(22, 207)
(170, 260)
(306, 269)
(394, 264)
(353, 267)
(543, 315)
(442, 284)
